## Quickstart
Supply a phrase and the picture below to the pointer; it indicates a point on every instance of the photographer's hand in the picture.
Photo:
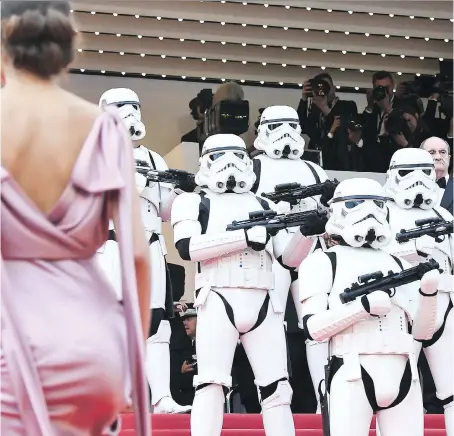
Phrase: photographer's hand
(354, 137)
(187, 367)
(307, 91)
(335, 125)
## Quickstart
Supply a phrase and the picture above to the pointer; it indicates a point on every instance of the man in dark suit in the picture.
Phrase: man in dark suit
(439, 149)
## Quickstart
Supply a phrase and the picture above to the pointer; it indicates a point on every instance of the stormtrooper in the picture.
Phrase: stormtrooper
(415, 195)
(234, 288)
(372, 366)
(156, 204)
(278, 160)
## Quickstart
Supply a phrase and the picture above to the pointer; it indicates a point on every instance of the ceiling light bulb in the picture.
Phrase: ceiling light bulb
(118, 35)
(264, 45)
(122, 53)
(262, 82)
(431, 18)
(163, 56)
(281, 83)
(391, 15)
(244, 24)
(265, 26)
(300, 84)
(399, 73)
(452, 20)
(412, 17)
(287, 7)
(344, 52)
(123, 73)
(263, 63)
(96, 33)
(182, 39)
(347, 33)
(242, 80)
(265, 5)
(303, 66)
(386, 36)
(201, 21)
(324, 50)
(308, 9)
(371, 13)
(204, 59)
(82, 70)
(161, 38)
(202, 41)
(364, 53)
(326, 31)
(223, 42)
(323, 68)
(394, 90)
(304, 49)
(183, 77)
(243, 44)
(285, 28)
(71, 11)
(203, 78)
(402, 56)
(183, 57)
(180, 19)
(93, 12)
(244, 3)
(421, 57)
(383, 55)
(224, 60)
(222, 23)
(139, 36)
(223, 80)
(244, 62)
(101, 51)
(407, 37)
(446, 40)
(306, 30)
(427, 39)
(284, 47)
(115, 14)
(342, 69)
(103, 71)
(142, 54)
(367, 34)
(137, 16)
(158, 18)
(361, 71)
(284, 65)
(337, 87)
(440, 59)
(418, 74)
(79, 50)
(350, 12)
(144, 74)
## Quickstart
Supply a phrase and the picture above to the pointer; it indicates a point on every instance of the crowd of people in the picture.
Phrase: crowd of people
(311, 295)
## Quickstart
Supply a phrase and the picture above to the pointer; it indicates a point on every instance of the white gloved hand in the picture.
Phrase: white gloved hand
(379, 303)
(425, 245)
(429, 282)
(283, 207)
(257, 235)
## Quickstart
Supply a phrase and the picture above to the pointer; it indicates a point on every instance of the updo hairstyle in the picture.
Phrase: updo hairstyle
(38, 36)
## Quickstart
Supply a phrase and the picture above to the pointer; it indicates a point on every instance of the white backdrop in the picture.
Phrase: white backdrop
(165, 103)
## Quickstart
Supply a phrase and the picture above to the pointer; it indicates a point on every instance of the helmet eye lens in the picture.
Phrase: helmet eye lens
(215, 156)
(120, 104)
(427, 172)
(403, 173)
(379, 203)
(293, 125)
(274, 126)
(353, 203)
(239, 155)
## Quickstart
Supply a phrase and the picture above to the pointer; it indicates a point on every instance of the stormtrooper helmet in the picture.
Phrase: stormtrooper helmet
(410, 179)
(225, 165)
(279, 133)
(358, 214)
(128, 105)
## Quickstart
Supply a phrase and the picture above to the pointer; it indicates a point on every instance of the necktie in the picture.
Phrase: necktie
(442, 182)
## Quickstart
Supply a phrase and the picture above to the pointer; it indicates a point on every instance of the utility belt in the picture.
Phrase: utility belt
(351, 345)
(235, 277)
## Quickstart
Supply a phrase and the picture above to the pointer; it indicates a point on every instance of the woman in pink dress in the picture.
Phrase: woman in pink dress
(68, 348)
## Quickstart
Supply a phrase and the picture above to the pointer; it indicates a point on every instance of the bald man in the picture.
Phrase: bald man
(439, 149)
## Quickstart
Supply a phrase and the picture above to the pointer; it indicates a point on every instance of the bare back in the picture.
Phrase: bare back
(42, 138)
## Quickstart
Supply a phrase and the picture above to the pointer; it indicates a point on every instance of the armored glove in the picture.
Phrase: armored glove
(314, 224)
(328, 191)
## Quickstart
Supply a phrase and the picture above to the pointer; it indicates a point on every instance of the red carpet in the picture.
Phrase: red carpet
(251, 425)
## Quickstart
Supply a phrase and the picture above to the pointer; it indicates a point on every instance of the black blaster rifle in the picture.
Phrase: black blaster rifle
(376, 281)
(435, 227)
(294, 192)
(174, 177)
(274, 221)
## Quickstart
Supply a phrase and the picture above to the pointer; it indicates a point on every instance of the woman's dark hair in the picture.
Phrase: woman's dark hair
(38, 36)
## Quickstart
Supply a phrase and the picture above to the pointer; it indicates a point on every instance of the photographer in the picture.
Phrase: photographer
(318, 108)
(344, 152)
(197, 107)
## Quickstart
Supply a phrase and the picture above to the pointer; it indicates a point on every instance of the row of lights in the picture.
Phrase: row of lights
(262, 82)
(163, 56)
(324, 50)
(412, 17)
(265, 26)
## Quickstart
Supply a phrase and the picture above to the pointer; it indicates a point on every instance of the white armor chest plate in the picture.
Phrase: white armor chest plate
(277, 171)
(405, 219)
(150, 196)
(354, 262)
(224, 209)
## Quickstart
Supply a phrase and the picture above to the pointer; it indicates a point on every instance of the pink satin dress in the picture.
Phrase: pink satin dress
(68, 347)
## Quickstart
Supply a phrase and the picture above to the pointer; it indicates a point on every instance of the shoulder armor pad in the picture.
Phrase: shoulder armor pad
(315, 275)
(185, 207)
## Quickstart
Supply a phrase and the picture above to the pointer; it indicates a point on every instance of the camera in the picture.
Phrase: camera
(227, 116)
(320, 87)
(379, 93)
(396, 124)
(356, 124)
